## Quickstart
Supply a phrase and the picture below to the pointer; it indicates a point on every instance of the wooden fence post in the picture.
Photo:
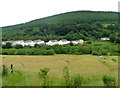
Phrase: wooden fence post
(11, 69)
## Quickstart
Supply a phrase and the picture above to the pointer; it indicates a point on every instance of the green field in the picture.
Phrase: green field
(26, 69)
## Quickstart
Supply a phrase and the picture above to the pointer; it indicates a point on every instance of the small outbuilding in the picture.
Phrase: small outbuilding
(105, 39)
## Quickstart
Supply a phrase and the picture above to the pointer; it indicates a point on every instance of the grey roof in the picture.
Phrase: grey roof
(64, 40)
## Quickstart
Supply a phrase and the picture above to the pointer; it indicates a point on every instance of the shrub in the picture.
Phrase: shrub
(104, 61)
(84, 49)
(109, 80)
(78, 80)
(4, 51)
(104, 52)
(114, 60)
(11, 51)
(18, 46)
(43, 73)
(95, 53)
(47, 52)
(7, 46)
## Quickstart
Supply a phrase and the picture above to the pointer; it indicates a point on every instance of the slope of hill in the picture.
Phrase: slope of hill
(77, 24)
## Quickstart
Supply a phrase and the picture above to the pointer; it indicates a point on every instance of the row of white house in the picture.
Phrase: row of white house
(40, 42)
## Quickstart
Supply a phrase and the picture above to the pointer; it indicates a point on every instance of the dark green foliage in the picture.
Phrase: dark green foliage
(105, 48)
(48, 52)
(7, 46)
(28, 51)
(71, 44)
(99, 25)
(18, 46)
(36, 45)
(112, 27)
(109, 80)
(95, 53)
(4, 70)
(115, 37)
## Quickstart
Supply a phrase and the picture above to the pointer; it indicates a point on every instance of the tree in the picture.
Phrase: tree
(99, 25)
(43, 73)
(7, 46)
(18, 46)
(36, 45)
(71, 44)
(115, 38)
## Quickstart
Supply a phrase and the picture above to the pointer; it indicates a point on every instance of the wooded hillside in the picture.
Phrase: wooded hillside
(87, 25)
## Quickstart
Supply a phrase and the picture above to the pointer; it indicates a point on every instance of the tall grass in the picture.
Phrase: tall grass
(13, 79)
(77, 80)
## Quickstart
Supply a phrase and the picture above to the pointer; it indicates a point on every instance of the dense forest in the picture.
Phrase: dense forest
(87, 25)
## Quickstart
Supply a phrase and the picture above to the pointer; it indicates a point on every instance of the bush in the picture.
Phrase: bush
(18, 46)
(28, 51)
(11, 51)
(4, 51)
(109, 80)
(78, 80)
(43, 73)
(114, 60)
(84, 49)
(103, 52)
(7, 46)
(95, 53)
(47, 52)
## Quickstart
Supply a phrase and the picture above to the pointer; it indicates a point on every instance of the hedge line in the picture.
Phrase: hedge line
(94, 49)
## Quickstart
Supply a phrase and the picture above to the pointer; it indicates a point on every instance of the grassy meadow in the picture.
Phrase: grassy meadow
(26, 69)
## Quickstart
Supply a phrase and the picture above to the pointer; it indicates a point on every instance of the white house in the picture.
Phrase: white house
(63, 42)
(21, 42)
(105, 39)
(80, 41)
(26, 43)
(39, 42)
(52, 42)
(3, 42)
(10, 41)
(29, 42)
(75, 42)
